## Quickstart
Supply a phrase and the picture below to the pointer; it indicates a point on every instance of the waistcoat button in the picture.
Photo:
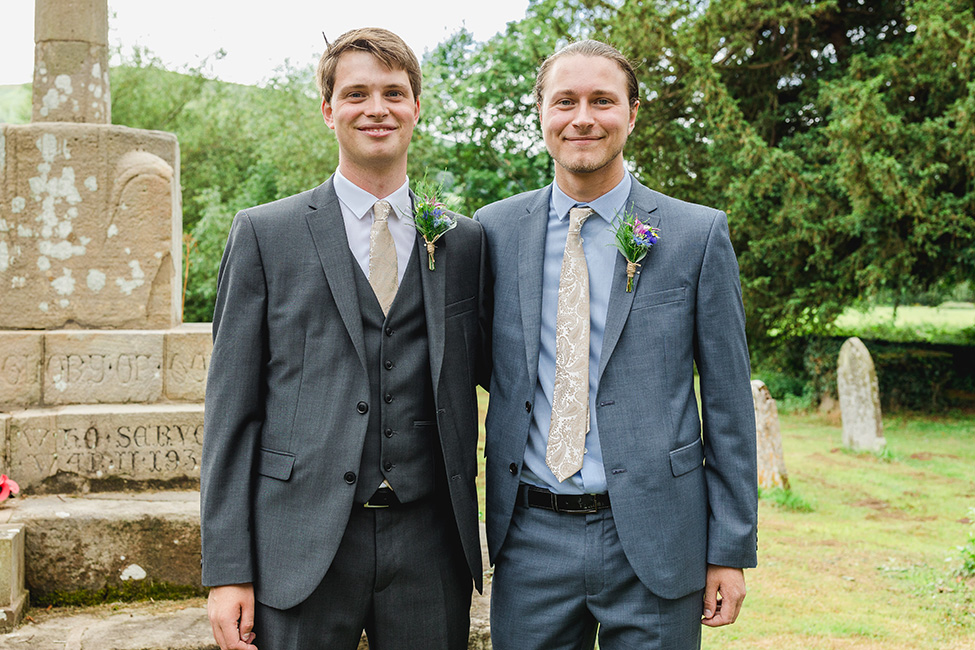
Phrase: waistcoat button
(350, 477)
(362, 407)
(513, 468)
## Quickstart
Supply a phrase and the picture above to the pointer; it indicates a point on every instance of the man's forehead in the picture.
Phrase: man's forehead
(574, 72)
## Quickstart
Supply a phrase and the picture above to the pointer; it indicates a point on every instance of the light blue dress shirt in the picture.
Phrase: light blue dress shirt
(597, 243)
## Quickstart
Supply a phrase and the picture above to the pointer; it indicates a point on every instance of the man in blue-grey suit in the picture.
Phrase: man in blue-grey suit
(612, 504)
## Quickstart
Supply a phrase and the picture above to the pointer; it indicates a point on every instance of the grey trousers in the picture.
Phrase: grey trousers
(560, 577)
(399, 574)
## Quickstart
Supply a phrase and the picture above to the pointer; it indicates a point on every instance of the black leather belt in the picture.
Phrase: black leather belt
(574, 504)
(382, 498)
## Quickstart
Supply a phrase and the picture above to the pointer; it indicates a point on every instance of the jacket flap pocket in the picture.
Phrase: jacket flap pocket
(687, 458)
(275, 464)
(459, 307)
(656, 298)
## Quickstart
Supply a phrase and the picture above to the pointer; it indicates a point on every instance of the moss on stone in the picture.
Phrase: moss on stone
(131, 591)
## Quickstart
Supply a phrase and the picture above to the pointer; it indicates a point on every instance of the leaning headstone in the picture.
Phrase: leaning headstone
(856, 379)
(771, 461)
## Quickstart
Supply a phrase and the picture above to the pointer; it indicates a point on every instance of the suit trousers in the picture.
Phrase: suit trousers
(560, 577)
(399, 574)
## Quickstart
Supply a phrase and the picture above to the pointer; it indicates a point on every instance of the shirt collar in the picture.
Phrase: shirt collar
(606, 206)
(360, 202)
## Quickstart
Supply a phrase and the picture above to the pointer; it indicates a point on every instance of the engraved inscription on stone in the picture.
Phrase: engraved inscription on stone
(188, 349)
(97, 442)
(20, 362)
(85, 367)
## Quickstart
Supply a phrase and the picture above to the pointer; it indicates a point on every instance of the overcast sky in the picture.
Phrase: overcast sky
(256, 41)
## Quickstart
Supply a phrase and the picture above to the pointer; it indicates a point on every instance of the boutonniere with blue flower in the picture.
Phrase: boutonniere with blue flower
(633, 239)
(431, 217)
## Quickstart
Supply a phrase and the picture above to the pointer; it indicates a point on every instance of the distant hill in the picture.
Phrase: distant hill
(15, 104)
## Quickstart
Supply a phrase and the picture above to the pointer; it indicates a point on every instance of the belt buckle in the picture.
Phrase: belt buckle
(586, 505)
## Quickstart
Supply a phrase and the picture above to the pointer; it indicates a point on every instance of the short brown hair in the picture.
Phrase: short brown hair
(590, 48)
(381, 43)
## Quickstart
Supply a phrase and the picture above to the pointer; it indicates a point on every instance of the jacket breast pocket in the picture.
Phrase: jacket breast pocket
(657, 298)
(275, 464)
(687, 458)
(457, 307)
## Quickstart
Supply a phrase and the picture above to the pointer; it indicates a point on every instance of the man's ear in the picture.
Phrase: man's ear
(633, 110)
(416, 112)
(327, 114)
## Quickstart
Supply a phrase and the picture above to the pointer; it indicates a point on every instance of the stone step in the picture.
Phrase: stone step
(76, 543)
(111, 540)
(170, 625)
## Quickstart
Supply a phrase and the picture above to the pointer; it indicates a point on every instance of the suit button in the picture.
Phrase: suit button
(513, 469)
(528, 407)
(388, 433)
(387, 466)
(388, 398)
(389, 331)
(350, 477)
(362, 407)
(388, 365)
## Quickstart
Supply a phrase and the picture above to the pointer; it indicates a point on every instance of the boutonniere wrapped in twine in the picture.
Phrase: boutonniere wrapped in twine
(633, 239)
(430, 217)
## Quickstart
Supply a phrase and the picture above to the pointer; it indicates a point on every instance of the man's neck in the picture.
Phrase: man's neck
(589, 186)
(378, 181)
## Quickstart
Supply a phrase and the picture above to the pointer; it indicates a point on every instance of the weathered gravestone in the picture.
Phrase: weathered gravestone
(101, 385)
(856, 380)
(771, 461)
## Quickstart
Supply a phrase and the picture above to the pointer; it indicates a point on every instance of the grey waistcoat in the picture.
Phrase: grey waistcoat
(402, 444)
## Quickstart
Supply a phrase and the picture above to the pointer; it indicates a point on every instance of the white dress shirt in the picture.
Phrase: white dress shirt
(357, 204)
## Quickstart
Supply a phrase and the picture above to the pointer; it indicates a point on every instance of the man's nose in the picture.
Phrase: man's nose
(376, 106)
(583, 116)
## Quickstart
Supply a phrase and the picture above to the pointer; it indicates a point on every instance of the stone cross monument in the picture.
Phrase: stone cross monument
(101, 385)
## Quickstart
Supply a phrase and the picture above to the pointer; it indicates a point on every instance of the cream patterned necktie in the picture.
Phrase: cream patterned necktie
(570, 402)
(382, 256)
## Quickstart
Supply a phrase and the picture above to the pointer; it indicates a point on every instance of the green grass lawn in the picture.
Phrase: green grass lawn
(873, 565)
(943, 324)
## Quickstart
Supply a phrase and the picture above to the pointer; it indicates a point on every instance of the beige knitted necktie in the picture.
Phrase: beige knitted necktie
(382, 256)
(570, 401)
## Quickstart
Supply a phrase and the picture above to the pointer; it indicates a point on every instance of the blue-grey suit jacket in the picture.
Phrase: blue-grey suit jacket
(682, 483)
(285, 422)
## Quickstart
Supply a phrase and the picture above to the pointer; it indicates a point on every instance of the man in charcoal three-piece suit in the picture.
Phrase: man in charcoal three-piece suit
(337, 484)
(611, 505)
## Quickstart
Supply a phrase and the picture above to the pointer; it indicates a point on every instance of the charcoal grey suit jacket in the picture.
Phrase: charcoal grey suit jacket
(288, 386)
(683, 495)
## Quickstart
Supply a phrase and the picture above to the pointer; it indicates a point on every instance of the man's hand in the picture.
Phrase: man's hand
(231, 612)
(723, 595)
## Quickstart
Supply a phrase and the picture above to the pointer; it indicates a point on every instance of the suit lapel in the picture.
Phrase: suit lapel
(530, 232)
(433, 284)
(641, 201)
(324, 219)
